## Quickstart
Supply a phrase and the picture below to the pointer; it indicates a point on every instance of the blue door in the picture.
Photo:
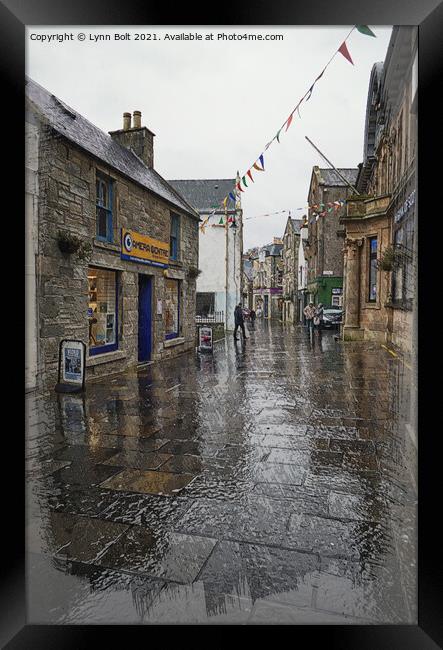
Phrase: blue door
(144, 317)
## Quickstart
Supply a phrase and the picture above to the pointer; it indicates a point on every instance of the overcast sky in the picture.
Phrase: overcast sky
(214, 105)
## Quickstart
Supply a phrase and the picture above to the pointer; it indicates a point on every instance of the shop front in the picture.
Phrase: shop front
(136, 304)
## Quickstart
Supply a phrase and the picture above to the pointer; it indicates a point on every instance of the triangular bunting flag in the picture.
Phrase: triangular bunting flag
(344, 50)
(239, 187)
(244, 181)
(288, 121)
(364, 29)
(250, 175)
(277, 136)
(220, 223)
(232, 196)
(262, 162)
(225, 200)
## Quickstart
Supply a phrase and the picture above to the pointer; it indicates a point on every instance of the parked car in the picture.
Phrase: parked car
(332, 316)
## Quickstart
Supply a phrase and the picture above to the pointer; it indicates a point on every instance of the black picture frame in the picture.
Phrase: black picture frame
(428, 14)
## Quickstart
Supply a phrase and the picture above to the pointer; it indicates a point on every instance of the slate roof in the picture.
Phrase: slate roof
(273, 249)
(331, 178)
(248, 269)
(296, 224)
(89, 137)
(205, 194)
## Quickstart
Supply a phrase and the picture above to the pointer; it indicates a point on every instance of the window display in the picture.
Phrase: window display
(172, 308)
(102, 310)
(372, 269)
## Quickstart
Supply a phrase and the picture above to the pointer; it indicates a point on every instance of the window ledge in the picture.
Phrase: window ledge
(170, 343)
(106, 245)
(106, 357)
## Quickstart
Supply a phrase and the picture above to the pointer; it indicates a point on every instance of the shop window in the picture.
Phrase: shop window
(172, 309)
(103, 207)
(102, 310)
(205, 304)
(403, 276)
(175, 237)
(372, 269)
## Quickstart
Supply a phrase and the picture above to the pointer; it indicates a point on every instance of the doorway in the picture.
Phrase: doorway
(144, 317)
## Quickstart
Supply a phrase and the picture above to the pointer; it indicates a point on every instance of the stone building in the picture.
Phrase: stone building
(380, 247)
(268, 279)
(291, 245)
(114, 246)
(302, 276)
(324, 249)
(219, 285)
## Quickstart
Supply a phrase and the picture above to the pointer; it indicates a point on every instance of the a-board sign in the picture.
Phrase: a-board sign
(71, 366)
(205, 339)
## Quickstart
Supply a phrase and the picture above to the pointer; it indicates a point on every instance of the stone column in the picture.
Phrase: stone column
(351, 329)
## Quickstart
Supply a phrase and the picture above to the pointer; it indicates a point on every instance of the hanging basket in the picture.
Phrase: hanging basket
(69, 244)
(193, 272)
(389, 260)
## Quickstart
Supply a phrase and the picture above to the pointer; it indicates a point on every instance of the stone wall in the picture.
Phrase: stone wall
(373, 320)
(67, 178)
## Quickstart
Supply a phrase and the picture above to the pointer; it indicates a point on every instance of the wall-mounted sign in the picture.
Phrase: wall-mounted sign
(205, 339)
(71, 366)
(159, 307)
(145, 250)
(337, 291)
(409, 202)
(328, 272)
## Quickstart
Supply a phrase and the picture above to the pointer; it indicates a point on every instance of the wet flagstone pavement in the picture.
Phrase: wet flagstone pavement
(272, 482)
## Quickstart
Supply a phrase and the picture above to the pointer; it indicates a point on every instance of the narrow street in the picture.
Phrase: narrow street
(270, 482)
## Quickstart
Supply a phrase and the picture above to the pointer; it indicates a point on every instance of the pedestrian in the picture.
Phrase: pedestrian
(309, 312)
(318, 317)
(239, 321)
(252, 316)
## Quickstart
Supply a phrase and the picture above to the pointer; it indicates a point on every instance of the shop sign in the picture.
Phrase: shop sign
(337, 291)
(409, 202)
(205, 339)
(71, 366)
(145, 250)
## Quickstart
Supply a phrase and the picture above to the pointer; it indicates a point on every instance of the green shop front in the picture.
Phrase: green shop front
(327, 290)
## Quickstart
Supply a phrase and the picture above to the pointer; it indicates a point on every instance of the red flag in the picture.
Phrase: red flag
(239, 187)
(344, 50)
(250, 175)
(288, 122)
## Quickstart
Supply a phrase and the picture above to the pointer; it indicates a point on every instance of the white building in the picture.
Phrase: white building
(302, 280)
(219, 285)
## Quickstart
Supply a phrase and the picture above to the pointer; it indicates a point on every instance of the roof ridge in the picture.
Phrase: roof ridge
(191, 180)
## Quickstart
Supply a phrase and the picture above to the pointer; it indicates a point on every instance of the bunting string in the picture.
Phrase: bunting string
(259, 163)
(318, 209)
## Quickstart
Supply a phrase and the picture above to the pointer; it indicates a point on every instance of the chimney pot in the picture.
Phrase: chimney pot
(137, 122)
(126, 121)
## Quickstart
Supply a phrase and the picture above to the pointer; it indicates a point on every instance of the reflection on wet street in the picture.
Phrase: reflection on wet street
(271, 482)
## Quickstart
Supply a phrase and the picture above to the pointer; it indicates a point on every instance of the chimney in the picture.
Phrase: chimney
(126, 121)
(137, 119)
(137, 138)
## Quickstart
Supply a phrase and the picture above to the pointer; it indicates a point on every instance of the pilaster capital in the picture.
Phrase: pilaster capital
(353, 244)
